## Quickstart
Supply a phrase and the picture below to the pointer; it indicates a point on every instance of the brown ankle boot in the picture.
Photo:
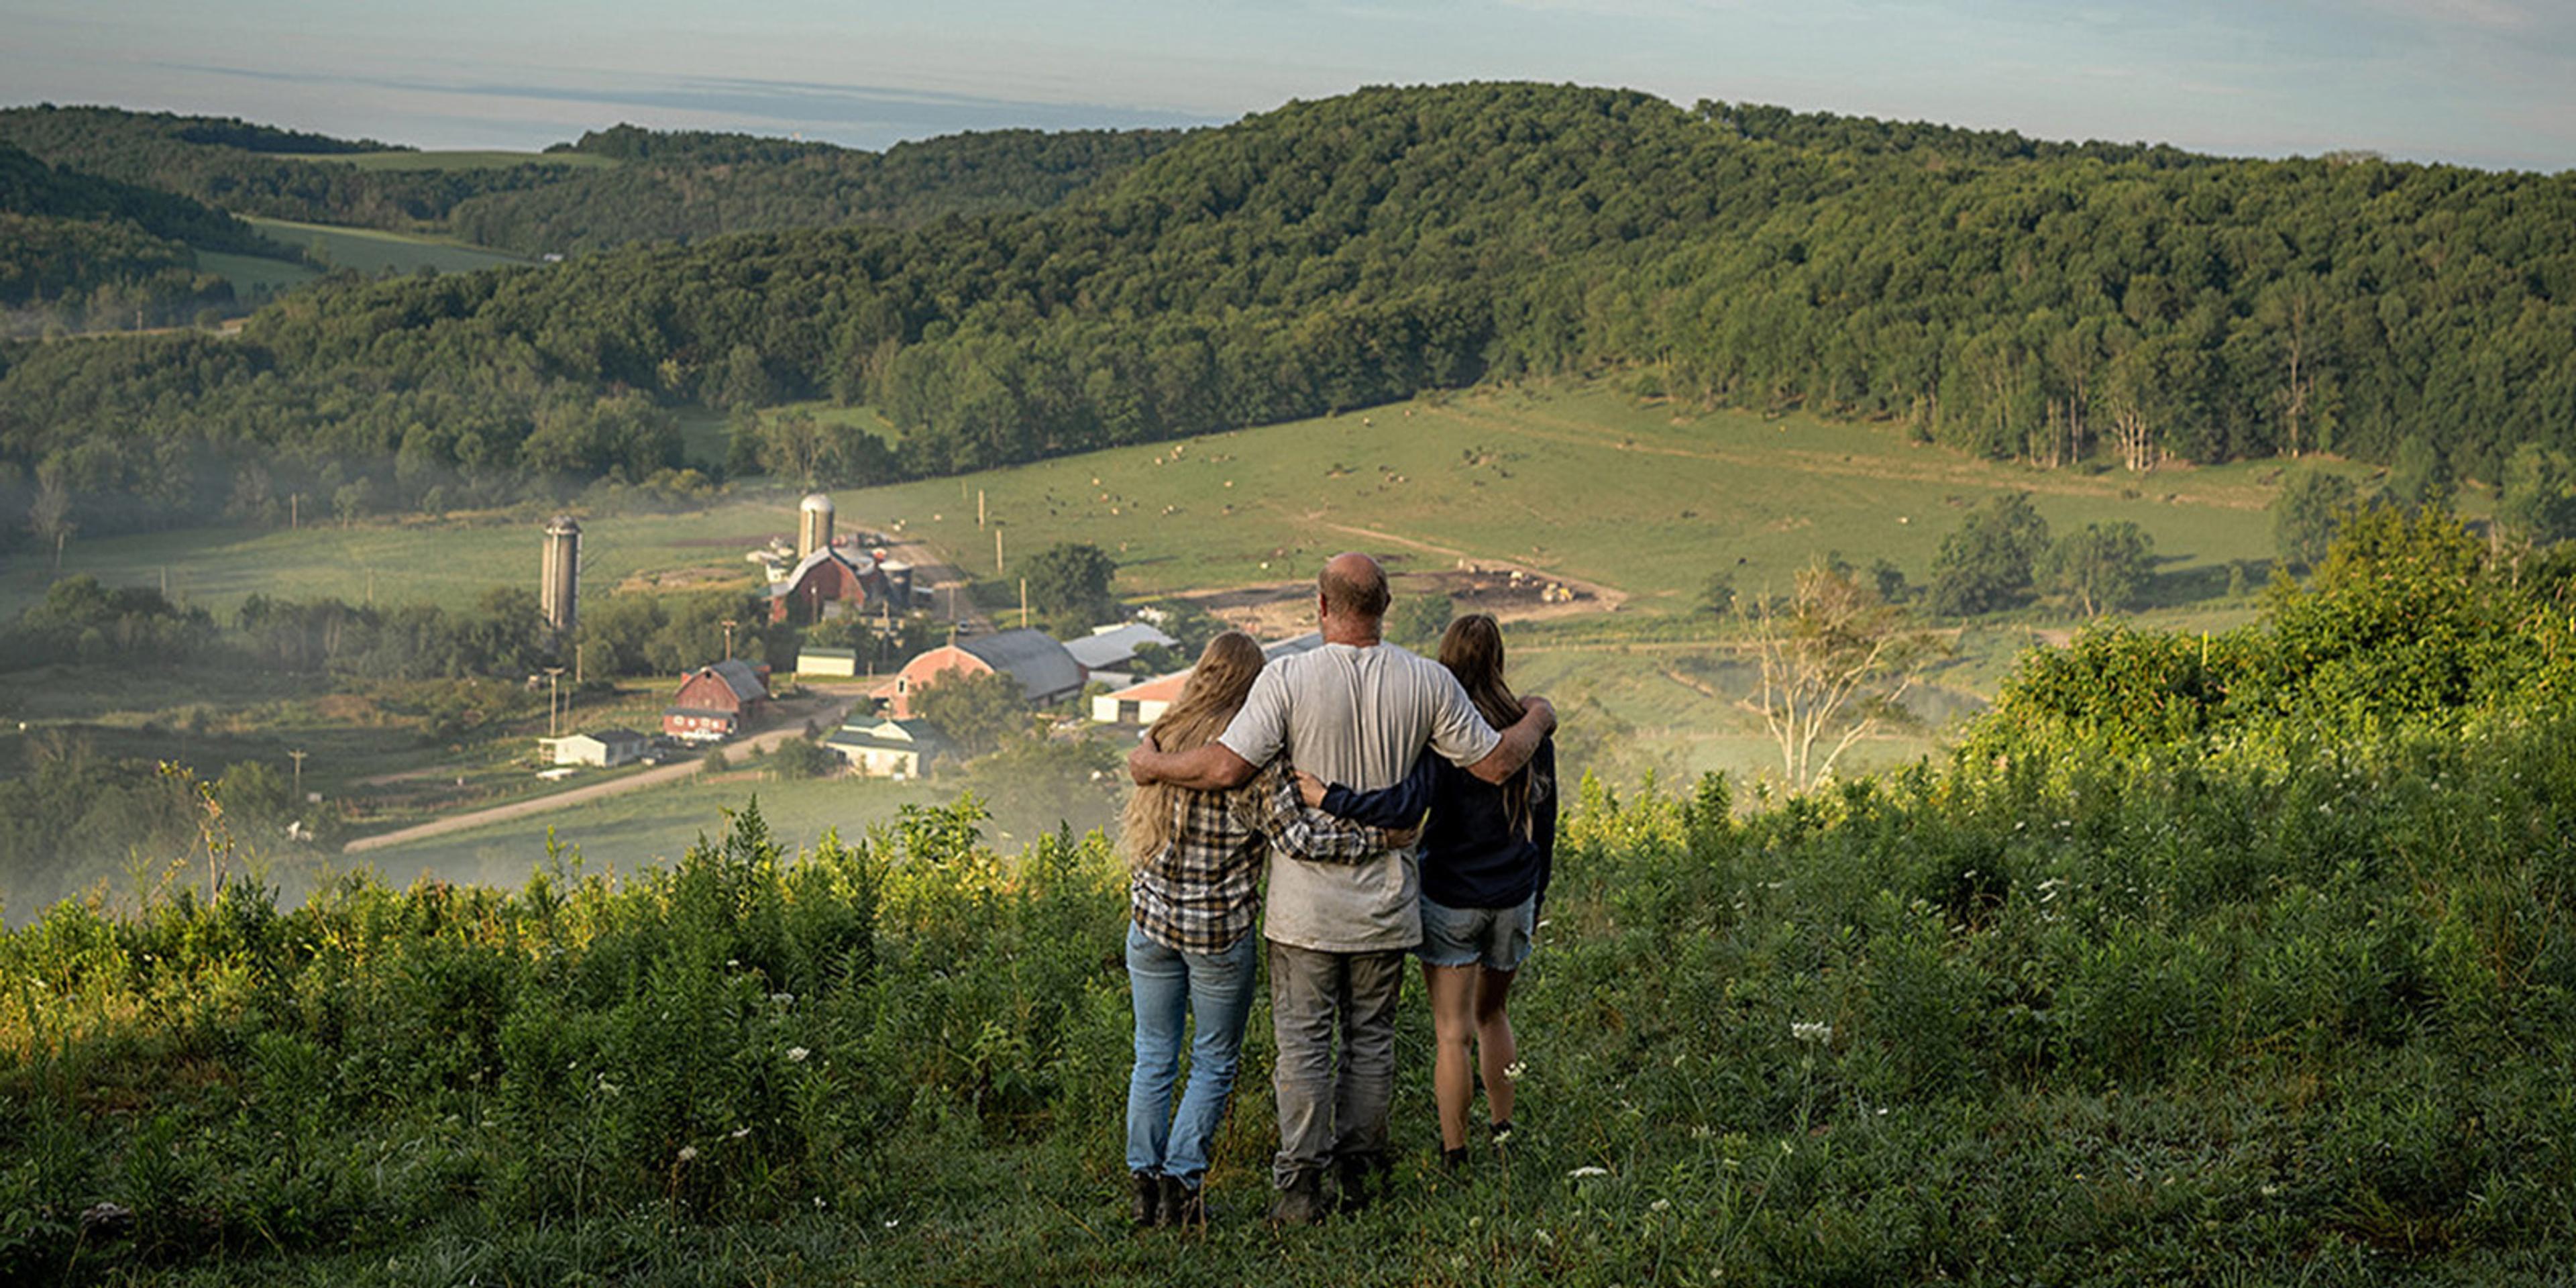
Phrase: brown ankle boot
(1301, 1200)
(1148, 1209)
(1184, 1204)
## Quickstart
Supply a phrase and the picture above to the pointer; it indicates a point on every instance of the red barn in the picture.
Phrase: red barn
(716, 702)
(828, 583)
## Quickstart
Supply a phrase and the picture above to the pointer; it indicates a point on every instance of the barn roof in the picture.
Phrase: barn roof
(1034, 658)
(739, 677)
(1115, 645)
(862, 567)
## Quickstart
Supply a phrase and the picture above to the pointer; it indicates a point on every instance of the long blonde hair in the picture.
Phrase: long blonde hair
(1216, 690)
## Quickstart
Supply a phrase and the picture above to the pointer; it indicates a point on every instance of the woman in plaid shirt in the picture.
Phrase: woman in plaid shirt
(1195, 863)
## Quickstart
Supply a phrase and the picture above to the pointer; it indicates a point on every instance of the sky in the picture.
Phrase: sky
(2478, 82)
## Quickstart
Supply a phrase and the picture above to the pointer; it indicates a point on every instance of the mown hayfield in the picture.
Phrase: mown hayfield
(372, 250)
(1576, 481)
(644, 828)
(444, 562)
(255, 274)
(453, 159)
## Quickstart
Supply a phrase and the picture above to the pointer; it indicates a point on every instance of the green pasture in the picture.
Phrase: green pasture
(457, 159)
(251, 274)
(372, 250)
(1572, 481)
(447, 562)
(656, 825)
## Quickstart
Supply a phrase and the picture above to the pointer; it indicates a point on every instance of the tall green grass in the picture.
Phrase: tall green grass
(2296, 1014)
(2252, 964)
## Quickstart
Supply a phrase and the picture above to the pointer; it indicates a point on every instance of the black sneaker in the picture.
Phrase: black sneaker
(1148, 1210)
(1301, 1200)
(1454, 1161)
(1184, 1204)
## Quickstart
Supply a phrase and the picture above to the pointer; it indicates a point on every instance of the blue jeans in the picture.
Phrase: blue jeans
(1170, 988)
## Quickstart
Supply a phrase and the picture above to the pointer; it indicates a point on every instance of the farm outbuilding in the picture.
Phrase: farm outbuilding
(1145, 702)
(1108, 650)
(881, 748)
(716, 702)
(829, 583)
(1046, 672)
(827, 661)
(606, 748)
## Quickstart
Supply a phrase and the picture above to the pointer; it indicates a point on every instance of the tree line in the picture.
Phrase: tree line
(2064, 306)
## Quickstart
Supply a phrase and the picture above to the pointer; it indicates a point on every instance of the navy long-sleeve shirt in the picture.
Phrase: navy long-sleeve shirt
(1472, 856)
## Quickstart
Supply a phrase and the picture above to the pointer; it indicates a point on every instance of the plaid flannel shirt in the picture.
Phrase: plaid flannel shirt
(1201, 893)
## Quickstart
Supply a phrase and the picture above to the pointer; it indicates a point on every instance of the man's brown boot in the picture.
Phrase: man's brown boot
(1301, 1200)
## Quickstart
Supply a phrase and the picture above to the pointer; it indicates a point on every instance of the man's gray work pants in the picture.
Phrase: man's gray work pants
(1330, 1111)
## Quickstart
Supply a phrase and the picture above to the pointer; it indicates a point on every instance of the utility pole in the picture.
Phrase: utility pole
(553, 675)
(298, 756)
(1024, 603)
(979, 507)
(294, 510)
(729, 625)
(997, 552)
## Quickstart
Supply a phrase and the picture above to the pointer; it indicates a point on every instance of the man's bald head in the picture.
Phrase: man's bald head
(1353, 586)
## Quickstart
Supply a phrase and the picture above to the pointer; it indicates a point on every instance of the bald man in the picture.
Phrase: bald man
(1359, 712)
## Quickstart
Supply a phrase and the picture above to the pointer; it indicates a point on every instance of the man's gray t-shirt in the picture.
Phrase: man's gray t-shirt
(1358, 717)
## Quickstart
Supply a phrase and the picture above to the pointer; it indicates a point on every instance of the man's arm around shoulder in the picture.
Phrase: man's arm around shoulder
(1209, 767)
(1520, 742)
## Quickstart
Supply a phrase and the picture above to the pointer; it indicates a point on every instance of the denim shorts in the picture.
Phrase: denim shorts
(1498, 938)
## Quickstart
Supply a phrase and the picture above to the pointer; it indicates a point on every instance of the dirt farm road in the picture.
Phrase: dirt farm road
(824, 707)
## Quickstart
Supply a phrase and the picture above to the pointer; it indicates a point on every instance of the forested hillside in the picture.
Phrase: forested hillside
(2056, 304)
(77, 249)
(687, 187)
(669, 186)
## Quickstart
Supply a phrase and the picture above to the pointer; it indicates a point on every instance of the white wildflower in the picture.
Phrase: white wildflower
(783, 999)
(1660, 1205)
(1583, 1173)
(1811, 1031)
(1514, 1070)
(688, 1153)
(740, 1132)
(796, 1055)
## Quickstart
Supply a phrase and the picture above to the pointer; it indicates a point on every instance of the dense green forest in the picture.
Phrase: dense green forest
(2237, 960)
(671, 186)
(690, 186)
(2062, 305)
(77, 250)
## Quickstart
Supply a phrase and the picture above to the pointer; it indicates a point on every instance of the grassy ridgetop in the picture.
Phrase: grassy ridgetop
(373, 250)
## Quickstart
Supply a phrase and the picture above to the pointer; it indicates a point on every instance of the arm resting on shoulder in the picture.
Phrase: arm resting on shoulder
(1519, 743)
(1209, 767)
(1271, 806)
(1400, 806)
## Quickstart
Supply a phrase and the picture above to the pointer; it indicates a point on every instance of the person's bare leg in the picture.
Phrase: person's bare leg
(1496, 1049)
(1453, 1025)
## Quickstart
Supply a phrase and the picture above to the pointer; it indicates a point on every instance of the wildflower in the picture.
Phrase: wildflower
(796, 1055)
(1515, 1069)
(893, 1221)
(1811, 1031)
(740, 1132)
(1660, 1205)
(688, 1153)
(733, 963)
(1582, 1173)
(783, 999)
